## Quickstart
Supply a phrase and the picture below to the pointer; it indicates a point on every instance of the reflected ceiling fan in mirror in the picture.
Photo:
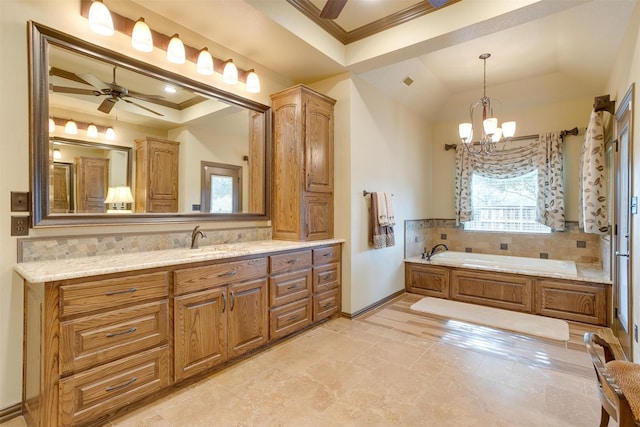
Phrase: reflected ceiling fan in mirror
(113, 91)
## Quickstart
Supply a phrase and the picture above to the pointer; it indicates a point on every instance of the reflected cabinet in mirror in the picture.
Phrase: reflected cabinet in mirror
(116, 140)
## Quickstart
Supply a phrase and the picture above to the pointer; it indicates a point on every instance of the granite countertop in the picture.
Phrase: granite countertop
(71, 268)
(585, 272)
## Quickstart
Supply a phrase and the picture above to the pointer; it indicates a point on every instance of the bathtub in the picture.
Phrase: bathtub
(506, 263)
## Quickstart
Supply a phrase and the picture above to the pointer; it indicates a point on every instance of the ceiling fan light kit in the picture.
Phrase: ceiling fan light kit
(144, 39)
(491, 133)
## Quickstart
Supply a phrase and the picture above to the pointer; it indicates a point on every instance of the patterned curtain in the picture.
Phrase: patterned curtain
(593, 215)
(544, 156)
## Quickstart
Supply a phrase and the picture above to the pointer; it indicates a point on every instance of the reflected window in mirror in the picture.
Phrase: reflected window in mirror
(221, 187)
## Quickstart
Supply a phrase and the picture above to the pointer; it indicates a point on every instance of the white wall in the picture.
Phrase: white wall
(64, 15)
(385, 147)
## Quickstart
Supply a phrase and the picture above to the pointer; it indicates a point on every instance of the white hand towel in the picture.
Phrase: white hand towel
(383, 216)
(391, 219)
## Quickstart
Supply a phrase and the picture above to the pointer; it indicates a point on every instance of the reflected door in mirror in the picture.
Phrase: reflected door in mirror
(93, 181)
(156, 175)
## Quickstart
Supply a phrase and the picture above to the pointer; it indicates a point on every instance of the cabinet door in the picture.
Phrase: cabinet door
(318, 216)
(427, 280)
(318, 134)
(92, 181)
(163, 175)
(248, 317)
(200, 328)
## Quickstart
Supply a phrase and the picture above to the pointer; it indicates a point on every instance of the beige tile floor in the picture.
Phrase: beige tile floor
(389, 368)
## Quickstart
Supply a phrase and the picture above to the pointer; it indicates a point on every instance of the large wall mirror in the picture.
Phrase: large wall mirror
(143, 141)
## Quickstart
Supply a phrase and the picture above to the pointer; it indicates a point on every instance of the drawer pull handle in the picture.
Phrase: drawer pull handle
(293, 287)
(233, 299)
(297, 316)
(224, 301)
(128, 331)
(329, 304)
(119, 386)
(229, 273)
(328, 254)
(126, 291)
(293, 261)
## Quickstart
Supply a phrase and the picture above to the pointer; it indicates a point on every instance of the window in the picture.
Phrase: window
(505, 204)
(221, 188)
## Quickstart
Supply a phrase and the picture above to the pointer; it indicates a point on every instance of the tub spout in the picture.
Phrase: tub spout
(434, 250)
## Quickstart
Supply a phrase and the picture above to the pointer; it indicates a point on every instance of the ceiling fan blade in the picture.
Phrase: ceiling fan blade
(332, 9)
(142, 106)
(75, 90)
(107, 105)
(94, 81)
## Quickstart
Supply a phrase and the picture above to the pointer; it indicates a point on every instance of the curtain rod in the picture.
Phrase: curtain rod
(563, 133)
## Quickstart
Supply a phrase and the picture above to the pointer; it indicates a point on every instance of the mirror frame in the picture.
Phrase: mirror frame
(40, 37)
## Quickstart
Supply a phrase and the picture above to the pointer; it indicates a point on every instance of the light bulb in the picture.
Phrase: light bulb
(253, 82)
(100, 19)
(175, 50)
(71, 128)
(92, 131)
(496, 135)
(141, 38)
(465, 130)
(205, 62)
(490, 125)
(230, 73)
(110, 134)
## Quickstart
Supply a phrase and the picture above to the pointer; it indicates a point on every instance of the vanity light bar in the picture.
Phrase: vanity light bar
(80, 125)
(125, 26)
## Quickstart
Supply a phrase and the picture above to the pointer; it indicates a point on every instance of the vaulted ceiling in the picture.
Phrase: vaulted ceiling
(542, 50)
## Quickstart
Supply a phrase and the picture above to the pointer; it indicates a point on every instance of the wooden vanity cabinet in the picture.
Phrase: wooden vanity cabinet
(327, 278)
(302, 165)
(427, 280)
(94, 345)
(571, 300)
(220, 312)
(157, 162)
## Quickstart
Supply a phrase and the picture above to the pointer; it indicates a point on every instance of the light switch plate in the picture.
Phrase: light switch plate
(19, 201)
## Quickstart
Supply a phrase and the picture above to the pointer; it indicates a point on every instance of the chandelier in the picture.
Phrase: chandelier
(491, 133)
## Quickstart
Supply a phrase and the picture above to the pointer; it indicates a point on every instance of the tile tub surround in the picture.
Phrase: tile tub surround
(425, 233)
(70, 268)
(63, 247)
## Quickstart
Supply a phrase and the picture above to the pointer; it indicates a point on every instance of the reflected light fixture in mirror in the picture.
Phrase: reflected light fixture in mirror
(175, 50)
(205, 62)
(118, 196)
(92, 131)
(230, 73)
(71, 128)
(100, 19)
(57, 155)
(253, 82)
(52, 125)
(141, 36)
(110, 134)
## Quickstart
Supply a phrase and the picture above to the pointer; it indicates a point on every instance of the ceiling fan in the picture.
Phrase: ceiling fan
(113, 91)
(332, 8)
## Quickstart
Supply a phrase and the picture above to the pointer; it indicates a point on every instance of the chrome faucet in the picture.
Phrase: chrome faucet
(194, 236)
(434, 250)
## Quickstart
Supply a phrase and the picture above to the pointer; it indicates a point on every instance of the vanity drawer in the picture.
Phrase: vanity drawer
(290, 261)
(326, 277)
(200, 278)
(289, 318)
(112, 293)
(326, 255)
(288, 287)
(101, 338)
(326, 304)
(91, 394)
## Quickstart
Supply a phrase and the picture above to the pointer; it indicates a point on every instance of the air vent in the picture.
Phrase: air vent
(407, 81)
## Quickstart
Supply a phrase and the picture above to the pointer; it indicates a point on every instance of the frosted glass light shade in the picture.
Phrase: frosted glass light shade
(71, 128)
(100, 19)
(52, 126)
(110, 134)
(175, 50)
(205, 63)
(490, 125)
(508, 129)
(253, 82)
(465, 130)
(230, 73)
(141, 38)
(496, 135)
(57, 155)
(92, 131)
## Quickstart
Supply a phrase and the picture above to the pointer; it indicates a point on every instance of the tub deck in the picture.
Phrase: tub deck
(561, 290)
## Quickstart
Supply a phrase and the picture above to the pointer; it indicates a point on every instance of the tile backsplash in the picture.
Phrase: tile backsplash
(571, 244)
(63, 247)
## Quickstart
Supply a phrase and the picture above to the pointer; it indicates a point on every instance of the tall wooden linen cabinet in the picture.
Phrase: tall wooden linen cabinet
(302, 170)
(156, 175)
